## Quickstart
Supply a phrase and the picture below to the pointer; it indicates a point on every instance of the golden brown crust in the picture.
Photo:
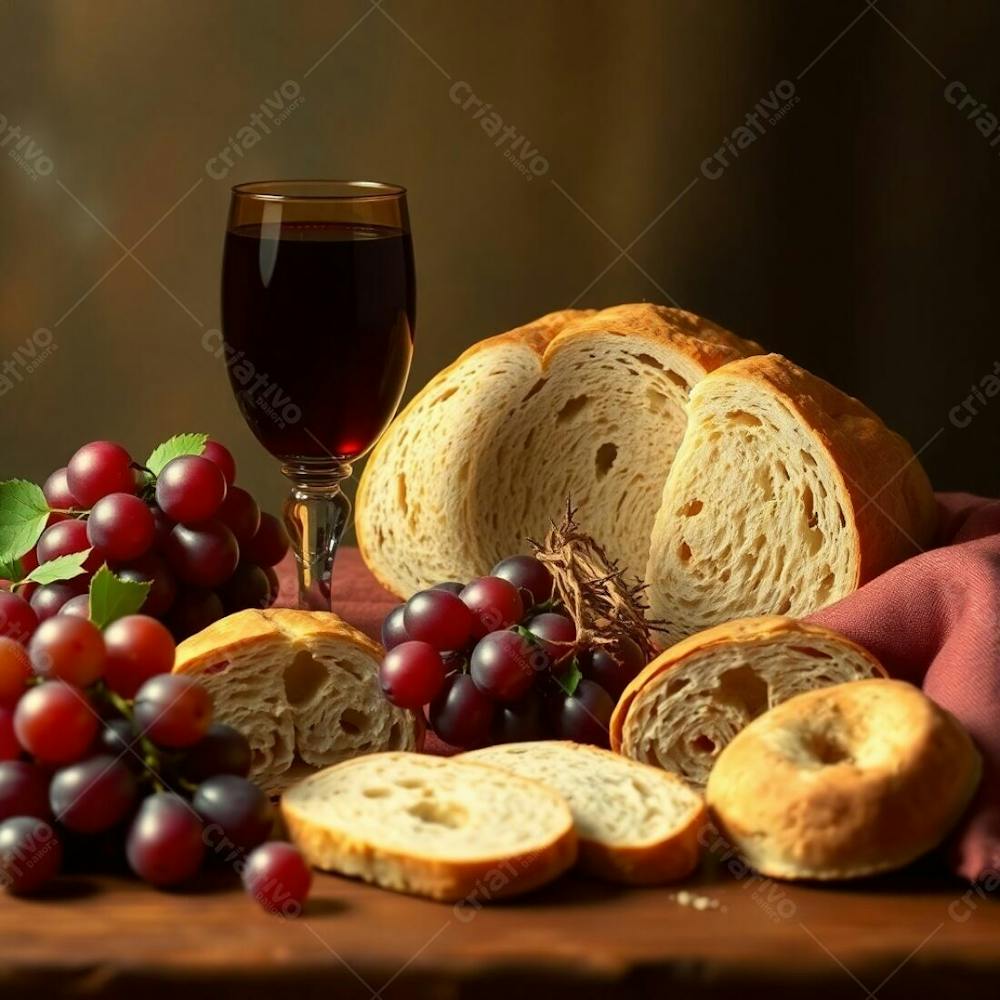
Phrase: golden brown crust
(843, 782)
(744, 630)
(884, 489)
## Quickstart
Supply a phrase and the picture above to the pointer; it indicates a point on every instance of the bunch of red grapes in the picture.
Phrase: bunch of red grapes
(200, 541)
(497, 661)
(103, 749)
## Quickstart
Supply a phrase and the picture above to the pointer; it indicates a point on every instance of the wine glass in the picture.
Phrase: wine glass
(318, 310)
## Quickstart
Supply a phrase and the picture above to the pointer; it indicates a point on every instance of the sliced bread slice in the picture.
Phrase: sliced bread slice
(689, 703)
(301, 686)
(449, 829)
(636, 824)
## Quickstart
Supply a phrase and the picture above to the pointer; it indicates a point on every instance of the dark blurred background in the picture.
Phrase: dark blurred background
(851, 226)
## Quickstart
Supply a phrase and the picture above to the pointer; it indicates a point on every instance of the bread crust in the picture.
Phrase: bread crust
(705, 344)
(844, 782)
(474, 881)
(664, 859)
(745, 630)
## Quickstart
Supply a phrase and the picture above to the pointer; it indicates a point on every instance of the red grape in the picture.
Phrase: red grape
(10, 749)
(97, 469)
(24, 790)
(204, 555)
(222, 457)
(440, 618)
(411, 674)
(504, 665)
(15, 671)
(275, 583)
(278, 878)
(192, 611)
(162, 526)
(584, 715)
(450, 586)
(57, 492)
(121, 526)
(394, 628)
(92, 795)
(613, 667)
(78, 607)
(555, 633)
(190, 489)
(165, 843)
(270, 545)
(55, 722)
(461, 714)
(69, 649)
(173, 710)
(495, 604)
(30, 854)
(119, 738)
(138, 649)
(236, 813)
(248, 587)
(240, 514)
(17, 619)
(521, 721)
(222, 750)
(66, 537)
(48, 600)
(151, 569)
(529, 575)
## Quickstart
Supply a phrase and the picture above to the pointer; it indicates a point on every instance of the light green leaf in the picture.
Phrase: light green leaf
(179, 444)
(112, 598)
(11, 569)
(569, 679)
(61, 568)
(23, 513)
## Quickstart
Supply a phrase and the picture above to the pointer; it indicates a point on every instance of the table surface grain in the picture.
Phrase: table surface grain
(917, 933)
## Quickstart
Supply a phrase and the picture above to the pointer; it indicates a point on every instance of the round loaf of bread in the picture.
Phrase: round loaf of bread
(843, 782)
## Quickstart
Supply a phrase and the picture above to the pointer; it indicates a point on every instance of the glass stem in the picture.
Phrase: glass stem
(316, 513)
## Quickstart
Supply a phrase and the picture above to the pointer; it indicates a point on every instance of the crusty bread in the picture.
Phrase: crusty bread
(579, 403)
(301, 686)
(786, 494)
(636, 824)
(844, 782)
(433, 826)
(682, 709)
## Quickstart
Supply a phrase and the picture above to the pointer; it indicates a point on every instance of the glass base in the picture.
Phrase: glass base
(316, 514)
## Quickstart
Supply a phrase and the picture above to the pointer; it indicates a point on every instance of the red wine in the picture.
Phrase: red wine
(318, 321)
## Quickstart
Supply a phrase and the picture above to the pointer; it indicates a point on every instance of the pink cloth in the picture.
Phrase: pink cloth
(933, 620)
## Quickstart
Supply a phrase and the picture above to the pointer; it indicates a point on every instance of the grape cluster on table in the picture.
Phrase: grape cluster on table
(497, 661)
(105, 753)
(200, 541)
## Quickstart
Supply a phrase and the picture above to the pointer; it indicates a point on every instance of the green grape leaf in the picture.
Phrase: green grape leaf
(11, 569)
(112, 598)
(61, 568)
(179, 444)
(569, 679)
(23, 513)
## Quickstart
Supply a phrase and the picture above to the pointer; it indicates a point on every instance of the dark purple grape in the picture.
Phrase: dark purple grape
(194, 610)
(248, 587)
(233, 810)
(461, 714)
(165, 843)
(450, 586)
(270, 545)
(222, 457)
(173, 710)
(48, 600)
(393, 627)
(556, 634)
(190, 489)
(152, 569)
(24, 790)
(495, 604)
(411, 674)
(613, 667)
(77, 607)
(240, 514)
(440, 618)
(504, 665)
(584, 715)
(30, 854)
(64, 538)
(121, 526)
(204, 554)
(277, 876)
(119, 738)
(529, 575)
(93, 795)
(222, 750)
(521, 721)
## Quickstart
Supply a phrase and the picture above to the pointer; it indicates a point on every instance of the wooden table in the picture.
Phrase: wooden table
(917, 933)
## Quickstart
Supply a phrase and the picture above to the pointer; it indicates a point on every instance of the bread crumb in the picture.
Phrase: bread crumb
(696, 901)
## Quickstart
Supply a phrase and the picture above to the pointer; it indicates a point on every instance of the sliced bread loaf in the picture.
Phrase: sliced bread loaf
(636, 824)
(690, 702)
(301, 686)
(440, 827)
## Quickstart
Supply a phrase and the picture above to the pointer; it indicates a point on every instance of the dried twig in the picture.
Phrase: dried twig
(592, 587)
